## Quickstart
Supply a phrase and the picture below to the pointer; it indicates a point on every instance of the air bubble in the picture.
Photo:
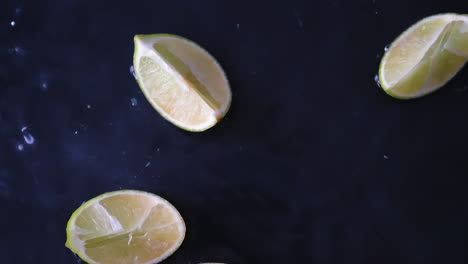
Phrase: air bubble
(377, 81)
(132, 71)
(28, 138)
(134, 102)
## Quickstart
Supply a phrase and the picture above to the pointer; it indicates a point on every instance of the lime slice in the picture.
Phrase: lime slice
(425, 57)
(182, 81)
(125, 227)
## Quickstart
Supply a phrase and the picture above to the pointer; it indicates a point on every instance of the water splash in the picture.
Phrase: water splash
(376, 80)
(132, 71)
(134, 102)
(28, 138)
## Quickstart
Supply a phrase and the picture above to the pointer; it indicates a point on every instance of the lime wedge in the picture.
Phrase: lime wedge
(125, 227)
(182, 81)
(425, 57)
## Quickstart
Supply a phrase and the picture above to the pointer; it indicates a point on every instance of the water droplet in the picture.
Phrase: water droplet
(88, 106)
(132, 71)
(386, 48)
(12, 23)
(300, 22)
(28, 138)
(238, 26)
(134, 101)
(17, 50)
(44, 86)
(147, 164)
(461, 89)
(377, 81)
(20, 147)
(386, 157)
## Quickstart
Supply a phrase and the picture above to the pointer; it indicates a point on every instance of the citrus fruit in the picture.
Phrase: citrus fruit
(124, 227)
(425, 57)
(182, 81)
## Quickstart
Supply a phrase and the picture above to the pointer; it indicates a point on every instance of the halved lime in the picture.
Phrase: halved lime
(125, 227)
(182, 81)
(425, 57)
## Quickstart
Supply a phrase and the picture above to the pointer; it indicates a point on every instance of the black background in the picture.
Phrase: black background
(313, 163)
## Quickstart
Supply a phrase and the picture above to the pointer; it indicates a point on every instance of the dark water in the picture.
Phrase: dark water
(313, 164)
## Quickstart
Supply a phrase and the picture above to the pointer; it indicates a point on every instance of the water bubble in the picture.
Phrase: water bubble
(12, 23)
(132, 71)
(28, 138)
(134, 101)
(20, 147)
(76, 132)
(18, 11)
(147, 164)
(237, 26)
(376, 12)
(386, 157)
(17, 50)
(88, 106)
(44, 86)
(376, 80)
(386, 48)
(157, 149)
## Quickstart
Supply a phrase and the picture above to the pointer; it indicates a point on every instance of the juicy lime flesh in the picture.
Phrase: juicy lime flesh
(425, 57)
(183, 82)
(126, 228)
(178, 101)
(403, 54)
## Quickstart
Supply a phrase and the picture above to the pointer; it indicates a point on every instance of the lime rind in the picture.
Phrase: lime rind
(139, 40)
(418, 77)
(70, 243)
